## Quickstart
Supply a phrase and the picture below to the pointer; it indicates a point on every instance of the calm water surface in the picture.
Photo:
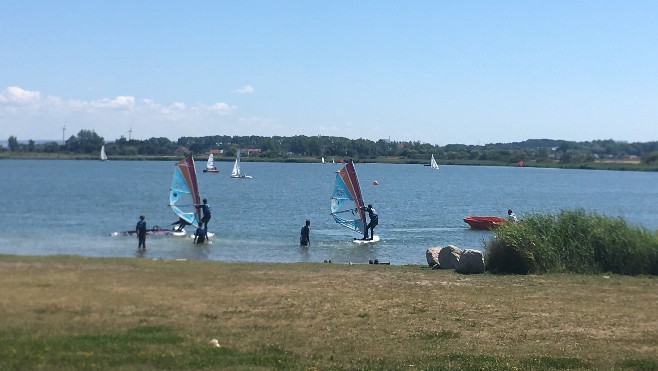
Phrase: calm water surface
(71, 207)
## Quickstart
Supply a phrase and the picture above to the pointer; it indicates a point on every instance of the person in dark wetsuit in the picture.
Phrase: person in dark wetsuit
(182, 223)
(205, 208)
(200, 234)
(374, 220)
(305, 236)
(140, 229)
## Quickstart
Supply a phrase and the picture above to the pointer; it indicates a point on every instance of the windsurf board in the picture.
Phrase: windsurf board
(360, 241)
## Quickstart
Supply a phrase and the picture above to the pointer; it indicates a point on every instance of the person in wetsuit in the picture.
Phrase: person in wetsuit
(205, 208)
(374, 220)
(200, 234)
(182, 223)
(140, 229)
(305, 236)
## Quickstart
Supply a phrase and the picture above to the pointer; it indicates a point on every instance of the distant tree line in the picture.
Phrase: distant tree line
(532, 150)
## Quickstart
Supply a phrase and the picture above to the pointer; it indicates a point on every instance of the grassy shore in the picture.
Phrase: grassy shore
(66, 313)
(599, 165)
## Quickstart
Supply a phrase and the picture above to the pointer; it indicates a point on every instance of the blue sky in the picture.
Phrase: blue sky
(440, 72)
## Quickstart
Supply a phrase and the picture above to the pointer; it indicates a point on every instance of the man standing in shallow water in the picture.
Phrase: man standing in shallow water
(205, 210)
(305, 235)
(140, 229)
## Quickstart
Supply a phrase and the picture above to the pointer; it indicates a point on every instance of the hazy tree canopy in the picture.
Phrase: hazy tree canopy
(13, 144)
(87, 141)
(532, 150)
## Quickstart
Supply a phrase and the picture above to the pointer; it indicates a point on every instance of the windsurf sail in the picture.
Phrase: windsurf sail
(184, 192)
(346, 200)
(103, 155)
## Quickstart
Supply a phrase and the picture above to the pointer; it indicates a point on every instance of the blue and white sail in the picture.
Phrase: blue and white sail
(184, 192)
(346, 200)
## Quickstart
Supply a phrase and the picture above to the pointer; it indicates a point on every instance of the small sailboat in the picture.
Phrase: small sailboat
(433, 163)
(347, 195)
(103, 155)
(210, 165)
(323, 160)
(236, 169)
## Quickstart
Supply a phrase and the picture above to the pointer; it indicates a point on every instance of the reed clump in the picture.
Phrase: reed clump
(573, 241)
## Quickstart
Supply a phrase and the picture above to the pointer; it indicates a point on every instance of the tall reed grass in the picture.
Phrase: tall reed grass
(573, 241)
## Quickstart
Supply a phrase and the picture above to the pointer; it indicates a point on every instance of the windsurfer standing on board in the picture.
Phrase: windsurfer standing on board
(205, 208)
(374, 220)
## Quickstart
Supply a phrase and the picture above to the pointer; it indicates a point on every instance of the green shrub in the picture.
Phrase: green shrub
(572, 241)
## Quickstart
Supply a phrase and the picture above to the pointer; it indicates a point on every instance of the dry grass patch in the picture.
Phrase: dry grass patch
(340, 316)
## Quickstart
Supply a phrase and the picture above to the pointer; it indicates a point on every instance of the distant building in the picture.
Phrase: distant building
(249, 151)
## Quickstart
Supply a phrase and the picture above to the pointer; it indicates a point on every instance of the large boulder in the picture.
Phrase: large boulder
(470, 262)
(432, 256)
(449, 257)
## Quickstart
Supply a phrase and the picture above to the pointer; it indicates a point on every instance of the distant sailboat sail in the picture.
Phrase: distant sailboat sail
(346, 200)
(103, 155)
(235, 173)
(210, 165)
(433, 163)
(184, 192)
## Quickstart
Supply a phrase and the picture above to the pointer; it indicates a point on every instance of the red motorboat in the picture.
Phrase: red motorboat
(484, 222)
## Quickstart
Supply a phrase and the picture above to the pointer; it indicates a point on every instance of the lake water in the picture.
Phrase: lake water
(71, 207)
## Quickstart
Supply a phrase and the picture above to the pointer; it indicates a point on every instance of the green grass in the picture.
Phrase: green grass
(72, 313)
(573, 241)
(139, 348)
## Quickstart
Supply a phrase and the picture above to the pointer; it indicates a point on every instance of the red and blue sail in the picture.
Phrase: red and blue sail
(346, 200)
(184, 192)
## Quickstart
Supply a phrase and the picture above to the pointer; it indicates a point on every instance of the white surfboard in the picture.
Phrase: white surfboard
(375, 238)
(209, 234)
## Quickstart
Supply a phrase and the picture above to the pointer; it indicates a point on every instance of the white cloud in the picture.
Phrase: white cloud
(120, 102)
(222, 108)
(25, 113)
(247, 89)
(178, 106)
(16, 95)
